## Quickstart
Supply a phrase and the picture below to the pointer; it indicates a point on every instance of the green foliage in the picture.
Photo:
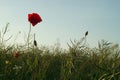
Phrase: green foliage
(79, 62)
(83, 63)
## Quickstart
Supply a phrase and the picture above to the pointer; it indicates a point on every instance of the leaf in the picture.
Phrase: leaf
(6, 27)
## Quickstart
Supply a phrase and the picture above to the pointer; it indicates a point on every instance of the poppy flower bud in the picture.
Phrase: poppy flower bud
(86, 33)
(35, 43)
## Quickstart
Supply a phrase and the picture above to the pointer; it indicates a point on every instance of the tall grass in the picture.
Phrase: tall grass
(79, 62)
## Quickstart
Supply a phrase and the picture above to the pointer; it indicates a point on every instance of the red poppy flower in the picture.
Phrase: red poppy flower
(16, 54)
(34, 18)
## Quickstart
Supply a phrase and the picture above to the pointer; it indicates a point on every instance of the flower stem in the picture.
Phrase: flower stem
(34, 45)
(29, 36)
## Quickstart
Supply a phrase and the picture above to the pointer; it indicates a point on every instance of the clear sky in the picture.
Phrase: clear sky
(63, 20)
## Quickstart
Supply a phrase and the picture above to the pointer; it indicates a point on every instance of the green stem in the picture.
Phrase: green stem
(34, 45)
(29, 36)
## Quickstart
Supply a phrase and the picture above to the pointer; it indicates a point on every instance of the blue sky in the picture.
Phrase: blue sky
(63, 20)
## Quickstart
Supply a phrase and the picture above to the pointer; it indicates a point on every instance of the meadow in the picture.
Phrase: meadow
(78, 62)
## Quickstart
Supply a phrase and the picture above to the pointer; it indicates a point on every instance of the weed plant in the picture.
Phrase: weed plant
(79, 62)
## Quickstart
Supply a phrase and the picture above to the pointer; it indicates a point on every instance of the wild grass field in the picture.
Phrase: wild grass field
(79, 62)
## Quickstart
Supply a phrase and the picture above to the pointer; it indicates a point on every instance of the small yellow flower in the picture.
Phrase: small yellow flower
(7, 62)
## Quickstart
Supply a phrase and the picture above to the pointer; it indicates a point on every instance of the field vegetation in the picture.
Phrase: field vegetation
(78, 62)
